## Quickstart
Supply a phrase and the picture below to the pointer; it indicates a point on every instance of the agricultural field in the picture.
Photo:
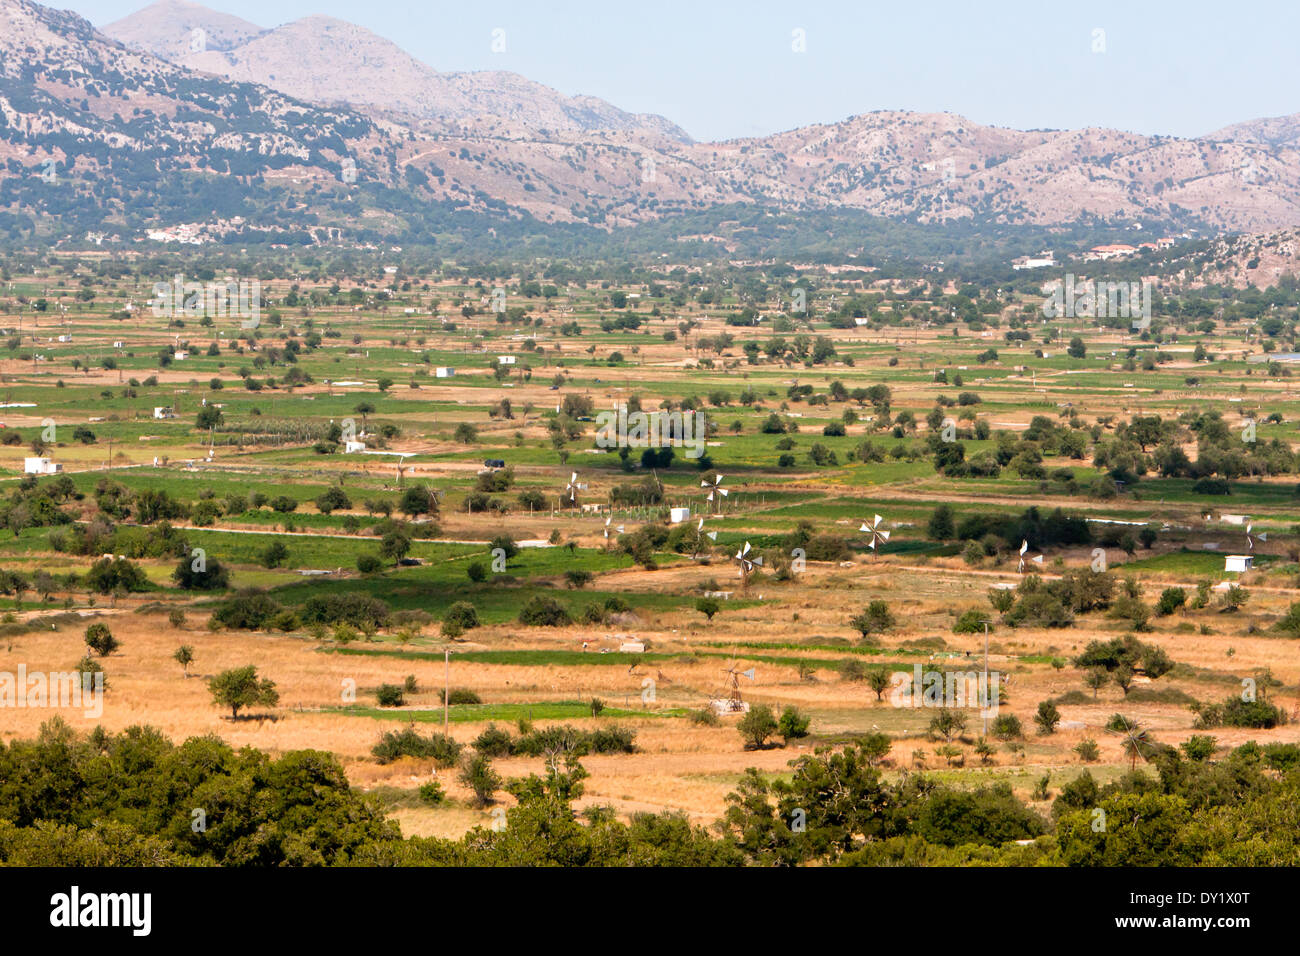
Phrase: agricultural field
(854, 486)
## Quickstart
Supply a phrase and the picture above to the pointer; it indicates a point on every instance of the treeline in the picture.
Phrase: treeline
(137, 799)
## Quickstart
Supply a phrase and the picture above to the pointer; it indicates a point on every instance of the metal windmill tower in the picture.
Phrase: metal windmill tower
(729, 699)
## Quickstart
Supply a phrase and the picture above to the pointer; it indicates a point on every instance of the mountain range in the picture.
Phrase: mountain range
(321, 127)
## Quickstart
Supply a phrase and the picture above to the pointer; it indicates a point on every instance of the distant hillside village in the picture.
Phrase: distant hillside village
(1046, 259)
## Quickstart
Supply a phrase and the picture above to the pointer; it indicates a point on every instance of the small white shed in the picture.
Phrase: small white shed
(1238, 562)
(40, 466)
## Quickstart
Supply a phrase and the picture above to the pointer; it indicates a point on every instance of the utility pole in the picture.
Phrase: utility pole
(985, 714)
(446, 688)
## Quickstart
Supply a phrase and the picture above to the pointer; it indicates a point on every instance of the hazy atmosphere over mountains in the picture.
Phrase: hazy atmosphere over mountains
(324, 107)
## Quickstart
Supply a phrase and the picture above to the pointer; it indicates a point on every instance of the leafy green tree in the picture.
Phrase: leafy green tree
(207, 574)
(1047, 717)
(1096, 678)
(942, 525)
(792, 725)
(1141, 829)
(1007, 727)
(879, 679)
(100, 639)
(332, 499)
(876, 617)
(708, 606)
(947, 723)
(1171, 599)
(757, 726)
(463, 614)
(478, 775)
(240, 687)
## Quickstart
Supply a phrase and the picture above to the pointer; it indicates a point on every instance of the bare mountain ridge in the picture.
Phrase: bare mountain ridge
(577, 157)
(351, 65)
(1272, 130)
(69, 91)
(168, 29)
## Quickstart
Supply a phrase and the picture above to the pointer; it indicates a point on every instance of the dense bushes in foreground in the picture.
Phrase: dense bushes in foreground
(135, 798)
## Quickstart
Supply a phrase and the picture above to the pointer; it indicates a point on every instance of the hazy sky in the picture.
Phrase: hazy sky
(723, 69)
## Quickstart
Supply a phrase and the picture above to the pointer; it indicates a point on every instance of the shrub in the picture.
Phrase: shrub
(1235, 712)
(757, 726)
(407, 743)
(792, 725)
(1007, 727)
(101, 640)
(1047, 718)
(876, 617)
(88, 667)
(462, 615)
(970, 621)
(1088, 750)
(247, 611)
(205, 575)
(459, 695)
(349, 607)
(390, 695)
(494, 742)
(543, 611)
(477, 774)
(432, 793)
(708, 606)
(577, 578)
(1171, 599)
(332, 499)
(274, 555)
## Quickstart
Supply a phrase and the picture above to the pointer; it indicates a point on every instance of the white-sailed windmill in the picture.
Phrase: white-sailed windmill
(1250, 538)
(572, 488)
(618, 529)
(877, 535)
(747, 562)
(716, 491)
(700, 535)
(1036, 559)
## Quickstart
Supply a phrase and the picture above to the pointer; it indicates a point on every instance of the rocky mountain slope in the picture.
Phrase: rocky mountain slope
(325, 60)
(360, 136)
